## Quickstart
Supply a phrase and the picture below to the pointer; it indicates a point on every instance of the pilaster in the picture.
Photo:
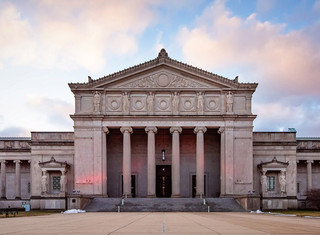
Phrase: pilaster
(3, 179)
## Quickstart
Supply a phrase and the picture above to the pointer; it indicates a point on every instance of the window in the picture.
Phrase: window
(29, 187)
(56, 183)
(271, 180)
(298, 187)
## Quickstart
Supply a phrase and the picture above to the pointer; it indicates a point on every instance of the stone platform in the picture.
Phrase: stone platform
(161, 223)
(163, 205)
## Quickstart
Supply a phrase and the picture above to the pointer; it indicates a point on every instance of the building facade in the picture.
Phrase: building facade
(160, 129)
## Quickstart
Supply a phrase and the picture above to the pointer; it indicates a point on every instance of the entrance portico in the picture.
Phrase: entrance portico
(163, 113)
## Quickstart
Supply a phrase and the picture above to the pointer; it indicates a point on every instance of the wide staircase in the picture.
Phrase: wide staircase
(163, 205)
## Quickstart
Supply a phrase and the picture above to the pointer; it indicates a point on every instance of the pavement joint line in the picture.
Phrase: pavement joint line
(129, 223)
(201, 225)
(164, 224)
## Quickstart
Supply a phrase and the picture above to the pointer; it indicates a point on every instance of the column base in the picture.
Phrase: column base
(152, 196)
(200, 196)
(128, 196)
(175, 195)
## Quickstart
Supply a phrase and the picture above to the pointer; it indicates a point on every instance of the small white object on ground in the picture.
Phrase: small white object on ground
(257, 211)
(73, 211)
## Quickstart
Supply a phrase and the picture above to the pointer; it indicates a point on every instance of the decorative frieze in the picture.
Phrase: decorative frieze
(163, 80)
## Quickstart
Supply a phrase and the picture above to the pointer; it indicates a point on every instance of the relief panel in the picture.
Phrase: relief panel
(86, 105)
(138, 104)
(163, 104)
(239, 105)
(212, 104)
(164, 79)
(188, 104)
(114, 103)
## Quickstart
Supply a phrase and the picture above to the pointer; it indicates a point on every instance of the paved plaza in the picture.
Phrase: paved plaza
(160, 223)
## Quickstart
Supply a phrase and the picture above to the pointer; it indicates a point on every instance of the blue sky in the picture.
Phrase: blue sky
(46, 44)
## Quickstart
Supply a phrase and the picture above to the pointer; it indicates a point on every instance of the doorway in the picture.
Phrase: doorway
(194, 185)
(163, 181)
(133, 185)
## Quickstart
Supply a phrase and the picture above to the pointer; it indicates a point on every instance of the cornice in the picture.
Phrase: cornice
(163, 59)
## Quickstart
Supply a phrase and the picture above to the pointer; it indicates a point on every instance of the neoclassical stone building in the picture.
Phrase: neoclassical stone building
(160, 129)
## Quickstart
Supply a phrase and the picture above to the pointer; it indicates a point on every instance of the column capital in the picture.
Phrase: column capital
(176, 129)
(309, 161)
(202, 129)
(151, 129)
(221, 130)
(3, 161)
(17, 161)
(105, 129)
(124, 129)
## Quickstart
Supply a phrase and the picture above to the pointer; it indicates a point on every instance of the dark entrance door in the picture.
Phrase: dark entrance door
(194, 185)
(163, 184)
(133, 185)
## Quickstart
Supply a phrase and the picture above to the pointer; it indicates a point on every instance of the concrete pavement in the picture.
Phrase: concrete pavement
(160, 223)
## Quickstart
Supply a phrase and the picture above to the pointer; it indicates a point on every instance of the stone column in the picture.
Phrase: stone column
(151, 130)
(18, 179)
(309, 175)
(200, 130)
(222, 162)
(175, 131)
(104, 161)
(3, 179)
(126, 164)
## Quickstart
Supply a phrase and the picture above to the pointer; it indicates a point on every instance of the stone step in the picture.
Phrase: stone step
(224, 205)
(163, 205)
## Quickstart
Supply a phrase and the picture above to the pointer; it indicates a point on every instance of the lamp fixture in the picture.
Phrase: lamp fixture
(163, 156)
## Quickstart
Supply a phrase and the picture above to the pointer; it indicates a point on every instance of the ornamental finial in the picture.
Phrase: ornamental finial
(163, 53)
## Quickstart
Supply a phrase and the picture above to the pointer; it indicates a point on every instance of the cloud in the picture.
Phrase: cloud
(56, 111)
(68, 34)
(284, 62)
(14, 131)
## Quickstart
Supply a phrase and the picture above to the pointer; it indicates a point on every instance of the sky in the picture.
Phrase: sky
(44, 45)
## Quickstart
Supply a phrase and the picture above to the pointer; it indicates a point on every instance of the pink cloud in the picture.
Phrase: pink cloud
(220, 41)
(68, 34)
(285, 63)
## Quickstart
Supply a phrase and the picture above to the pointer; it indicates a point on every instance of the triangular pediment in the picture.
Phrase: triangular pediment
(52, 163)
(273, 164)
(165, 73)
(161, 78)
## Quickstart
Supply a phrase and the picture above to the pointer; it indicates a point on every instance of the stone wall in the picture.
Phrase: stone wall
(282, 146)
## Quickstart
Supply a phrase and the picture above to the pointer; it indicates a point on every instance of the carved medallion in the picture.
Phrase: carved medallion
(139, 105)
(115, 105)
(212, 103)
(163, 80)
(163, 104)
(188, 105)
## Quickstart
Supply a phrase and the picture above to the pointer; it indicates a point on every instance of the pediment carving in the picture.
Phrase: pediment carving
(163, 80)
(53, 163)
